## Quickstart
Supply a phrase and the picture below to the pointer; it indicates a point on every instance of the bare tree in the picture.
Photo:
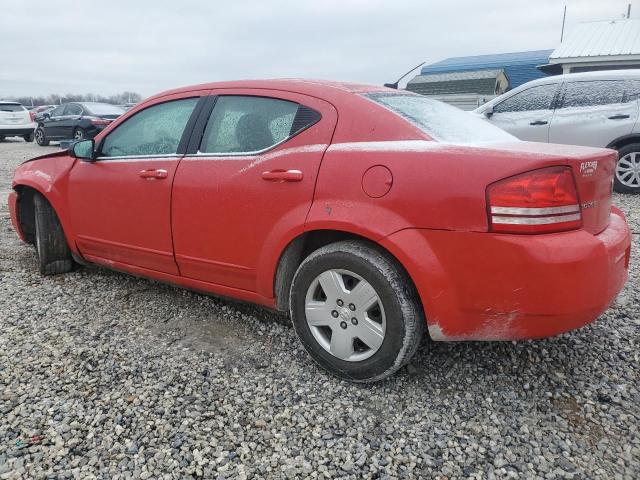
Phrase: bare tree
(56, 99)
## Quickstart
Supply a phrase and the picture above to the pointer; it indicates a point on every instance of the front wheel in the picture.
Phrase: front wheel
(79, 134)
(41, 138)
(355, 311)
(627, 176)
(53, 252)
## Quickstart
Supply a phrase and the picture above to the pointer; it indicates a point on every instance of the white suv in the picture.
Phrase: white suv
(15, 121)
(598, 109)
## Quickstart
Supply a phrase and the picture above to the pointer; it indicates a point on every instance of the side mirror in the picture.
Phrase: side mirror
(489, 111)
(84, 150)
(46, 115)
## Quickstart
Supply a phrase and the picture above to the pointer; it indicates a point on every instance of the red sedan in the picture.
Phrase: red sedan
(367, 213)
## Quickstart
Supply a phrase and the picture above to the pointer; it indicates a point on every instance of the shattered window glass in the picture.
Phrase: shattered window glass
(244, 124)
(440, 121)
(588, 94)
(153, 131)
(534, 98)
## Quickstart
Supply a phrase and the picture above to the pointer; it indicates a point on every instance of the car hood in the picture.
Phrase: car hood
(61, 153)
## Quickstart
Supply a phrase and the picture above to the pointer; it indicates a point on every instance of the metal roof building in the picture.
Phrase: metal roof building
(468, 82)
(519, 67)
(605, 45)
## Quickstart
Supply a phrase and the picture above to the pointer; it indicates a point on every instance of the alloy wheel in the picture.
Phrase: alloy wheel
(345, 315)
(628, 170)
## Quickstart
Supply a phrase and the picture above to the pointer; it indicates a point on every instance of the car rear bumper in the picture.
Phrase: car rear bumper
(483, 286)
(13, 212)
(24, 129)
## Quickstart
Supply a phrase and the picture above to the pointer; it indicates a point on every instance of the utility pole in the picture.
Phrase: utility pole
(628, 11)
(564, 17)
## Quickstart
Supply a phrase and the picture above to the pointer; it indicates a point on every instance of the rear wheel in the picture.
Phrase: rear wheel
(627, 176)
(28, 137)
(41, 138)
(356, 311)
(53, 252)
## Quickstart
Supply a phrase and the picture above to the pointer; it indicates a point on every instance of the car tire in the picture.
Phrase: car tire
(79, 134)
(41, 138)
(53, 252)
(387, 311)
(28, 137)
(626, 178)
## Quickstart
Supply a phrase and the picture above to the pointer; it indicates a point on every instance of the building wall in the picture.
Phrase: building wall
(574, 67)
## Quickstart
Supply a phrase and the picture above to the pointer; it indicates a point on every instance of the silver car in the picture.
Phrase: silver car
(598, 109)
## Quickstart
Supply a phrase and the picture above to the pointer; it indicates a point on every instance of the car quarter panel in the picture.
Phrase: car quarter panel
(433, 185)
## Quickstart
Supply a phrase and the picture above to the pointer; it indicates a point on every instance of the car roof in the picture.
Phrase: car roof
(88, 104)
(319, 88)
(584, 76)
(10, 102)
(633, 74)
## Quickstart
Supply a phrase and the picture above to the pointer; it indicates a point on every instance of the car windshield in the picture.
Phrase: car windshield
(11, 107)
(440, 121)
(104, 109)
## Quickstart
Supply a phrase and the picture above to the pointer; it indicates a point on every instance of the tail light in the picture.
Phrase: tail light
(32, 115)
(100, 121)
(540, 201)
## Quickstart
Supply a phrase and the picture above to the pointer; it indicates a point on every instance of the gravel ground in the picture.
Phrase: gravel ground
(105, 375)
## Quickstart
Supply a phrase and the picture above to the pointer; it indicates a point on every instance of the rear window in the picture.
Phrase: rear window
(440, 121)
(105, 109)
(11, 107)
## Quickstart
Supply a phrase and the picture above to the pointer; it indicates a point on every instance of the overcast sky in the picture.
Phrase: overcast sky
(146, 46)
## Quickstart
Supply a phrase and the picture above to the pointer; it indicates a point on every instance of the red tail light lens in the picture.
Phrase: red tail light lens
(100, 121)
(32, 115)
(541, 201)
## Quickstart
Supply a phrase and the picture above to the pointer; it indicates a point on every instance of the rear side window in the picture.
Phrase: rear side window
(245, 124)
(589, 94)
(156, 130)
(441, 121)
(534, 98)
(74, 110)
(11, 107)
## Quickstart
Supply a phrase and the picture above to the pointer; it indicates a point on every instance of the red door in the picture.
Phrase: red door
(250, 185)
(120, 204)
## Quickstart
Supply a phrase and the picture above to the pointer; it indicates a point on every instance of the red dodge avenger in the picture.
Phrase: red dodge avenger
(368, 214)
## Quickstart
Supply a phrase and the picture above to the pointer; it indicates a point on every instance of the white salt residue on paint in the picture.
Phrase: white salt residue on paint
(497, 326)
(389, 146)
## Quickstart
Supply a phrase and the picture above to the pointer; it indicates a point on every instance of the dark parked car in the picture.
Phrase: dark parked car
(75, 121)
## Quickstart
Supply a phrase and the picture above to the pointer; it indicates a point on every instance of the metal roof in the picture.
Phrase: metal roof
(520, 67)
(601, 39)
(452, 76)
(478, 82)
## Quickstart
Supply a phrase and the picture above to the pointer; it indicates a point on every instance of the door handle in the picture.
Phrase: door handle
(153, 174)
(283, 175)
(618, 117)
(539, 122)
